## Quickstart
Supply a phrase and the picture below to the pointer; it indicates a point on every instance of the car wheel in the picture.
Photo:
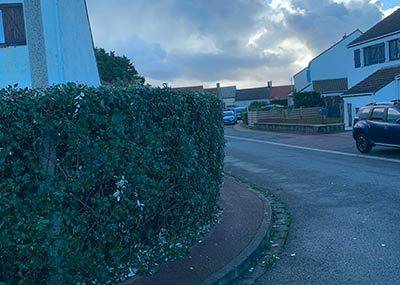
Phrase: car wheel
(363, 145)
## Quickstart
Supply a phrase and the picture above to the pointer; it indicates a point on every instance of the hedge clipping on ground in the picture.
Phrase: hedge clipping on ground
(97, 184)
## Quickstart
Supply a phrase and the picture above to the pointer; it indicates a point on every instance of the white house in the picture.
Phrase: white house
(327, 73)
(46, 42)
(374, 71)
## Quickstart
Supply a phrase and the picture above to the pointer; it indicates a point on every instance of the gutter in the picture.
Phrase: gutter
(358, 95)
(373, 39)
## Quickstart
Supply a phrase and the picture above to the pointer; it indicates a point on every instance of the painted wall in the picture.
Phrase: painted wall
(356, 75)
(301, 80)
(247, 103)
(333, 63)
(386, 94)
(69, 45)
(14, 62)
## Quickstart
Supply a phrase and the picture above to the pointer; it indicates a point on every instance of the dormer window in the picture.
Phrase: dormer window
(374, 54)
(12, 25)
(394, 49)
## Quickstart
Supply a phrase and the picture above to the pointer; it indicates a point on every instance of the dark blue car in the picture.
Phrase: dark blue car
(377, 124)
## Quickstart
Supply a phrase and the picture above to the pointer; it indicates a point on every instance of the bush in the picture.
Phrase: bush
(307, 99)
(136, 180)
(258, 106)
(282, 102)
(245, 118)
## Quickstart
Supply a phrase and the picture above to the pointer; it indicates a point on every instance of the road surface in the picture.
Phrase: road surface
(345, 208)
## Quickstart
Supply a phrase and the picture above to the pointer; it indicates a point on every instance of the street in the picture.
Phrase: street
(344, 207)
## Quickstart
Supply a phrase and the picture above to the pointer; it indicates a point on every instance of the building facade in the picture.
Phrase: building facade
(327, 73)
(46, 42)
(374, 70)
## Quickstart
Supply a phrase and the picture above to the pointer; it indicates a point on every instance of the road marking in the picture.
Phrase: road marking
(315, 149)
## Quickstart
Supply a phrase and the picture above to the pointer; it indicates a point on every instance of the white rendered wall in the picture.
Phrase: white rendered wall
(357, 75)
(14, 63)
(69, 47)
(333, 63)
(386, 94)
(301, 80)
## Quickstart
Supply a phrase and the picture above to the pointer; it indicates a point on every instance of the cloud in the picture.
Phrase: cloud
(243, 42)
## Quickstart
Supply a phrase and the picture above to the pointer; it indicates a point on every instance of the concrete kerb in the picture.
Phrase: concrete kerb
(267, 244)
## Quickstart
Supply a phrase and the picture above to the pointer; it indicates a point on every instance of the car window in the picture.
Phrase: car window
(378, 114)
(229, 113)
(364, 113)
(393, 115)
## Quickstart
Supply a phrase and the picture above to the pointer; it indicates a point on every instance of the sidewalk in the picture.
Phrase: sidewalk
(244, 222)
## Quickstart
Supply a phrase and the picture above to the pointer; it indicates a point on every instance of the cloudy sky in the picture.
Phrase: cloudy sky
(240, 42)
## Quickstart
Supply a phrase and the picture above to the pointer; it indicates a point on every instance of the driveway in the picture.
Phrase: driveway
(344, 207)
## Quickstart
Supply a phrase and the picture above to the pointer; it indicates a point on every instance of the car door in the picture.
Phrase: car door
(393, 131)
(378, 125)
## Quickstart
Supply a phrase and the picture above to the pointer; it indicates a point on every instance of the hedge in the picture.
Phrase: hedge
(97, 184)
(307, 99)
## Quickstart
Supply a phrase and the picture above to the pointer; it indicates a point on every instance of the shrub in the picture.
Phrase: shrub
(245, 118)
(258, 106)
(282, 102)
(136, 179)
(307, 99)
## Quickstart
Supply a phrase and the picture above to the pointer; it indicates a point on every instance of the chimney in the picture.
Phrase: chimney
(219, 93)
(270, 84)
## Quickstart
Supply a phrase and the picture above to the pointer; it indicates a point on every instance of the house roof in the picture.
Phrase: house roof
(260, 93)
(280, 92)
(339, 85)
(191, 88)
(375, 82)
(389, 25)
(226, 92)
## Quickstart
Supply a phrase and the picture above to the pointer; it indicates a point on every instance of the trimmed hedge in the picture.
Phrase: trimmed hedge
(137, 178)
(307, 99)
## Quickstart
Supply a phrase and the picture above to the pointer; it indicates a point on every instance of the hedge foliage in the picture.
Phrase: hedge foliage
(137, 178)
(307, 99)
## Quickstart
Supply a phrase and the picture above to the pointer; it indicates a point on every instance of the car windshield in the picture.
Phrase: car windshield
(228, 113)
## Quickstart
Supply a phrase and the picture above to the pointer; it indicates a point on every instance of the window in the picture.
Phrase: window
(357, 58)
(374, 54)
(308, 75)
(394, 49)
(363, 114)
(378, 114)
(12, 31)
(2, 39)
(393, 116)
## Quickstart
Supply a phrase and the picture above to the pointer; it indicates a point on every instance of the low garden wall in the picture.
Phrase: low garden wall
(99, 184)
(300, 128)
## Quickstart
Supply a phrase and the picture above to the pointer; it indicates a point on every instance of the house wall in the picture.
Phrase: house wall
(356, 75)
(333, 63)
(69, 45)
(229, 101)
(386, 94)
(14, 63)
(301, 80)
(247, 103)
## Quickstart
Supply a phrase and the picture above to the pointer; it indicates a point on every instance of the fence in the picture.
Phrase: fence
(281, 115)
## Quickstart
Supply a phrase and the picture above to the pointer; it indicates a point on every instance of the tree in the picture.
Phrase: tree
(116, 69)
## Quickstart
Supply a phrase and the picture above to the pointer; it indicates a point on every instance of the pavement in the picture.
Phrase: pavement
(344, 206)
(244, 217)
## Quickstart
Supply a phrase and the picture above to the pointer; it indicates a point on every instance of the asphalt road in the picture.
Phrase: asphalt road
(345, 209)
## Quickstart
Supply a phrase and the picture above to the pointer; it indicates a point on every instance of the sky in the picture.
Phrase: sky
(235, 42)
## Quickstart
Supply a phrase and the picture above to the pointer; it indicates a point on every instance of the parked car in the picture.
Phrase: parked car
(230, 118)
(377, 124)
(239, 111)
